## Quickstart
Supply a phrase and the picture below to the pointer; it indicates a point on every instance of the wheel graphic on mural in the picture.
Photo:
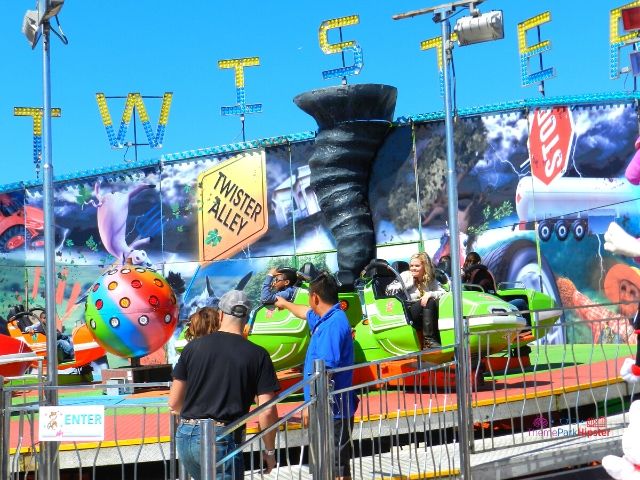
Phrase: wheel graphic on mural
(518, 262)
(562, 230)
(579, 229)
(545, 229)
(12, 238)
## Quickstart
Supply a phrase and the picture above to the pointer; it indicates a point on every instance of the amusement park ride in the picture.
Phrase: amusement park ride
(379, 321)
(127, 320)
(381, 326)
(86, 349)
(131, 310)
(382, 330)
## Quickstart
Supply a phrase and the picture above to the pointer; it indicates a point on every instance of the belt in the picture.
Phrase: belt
(196, 421)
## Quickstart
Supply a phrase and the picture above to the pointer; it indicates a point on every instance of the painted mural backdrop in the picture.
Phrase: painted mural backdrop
(538, 191)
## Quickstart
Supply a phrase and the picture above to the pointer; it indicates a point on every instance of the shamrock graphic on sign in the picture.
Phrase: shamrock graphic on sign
(213, 238)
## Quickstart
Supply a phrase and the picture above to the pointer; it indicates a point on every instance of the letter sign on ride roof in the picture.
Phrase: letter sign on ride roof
(233, 205)
(551, 138)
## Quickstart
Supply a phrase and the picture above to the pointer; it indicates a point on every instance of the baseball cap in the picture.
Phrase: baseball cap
(236, 303)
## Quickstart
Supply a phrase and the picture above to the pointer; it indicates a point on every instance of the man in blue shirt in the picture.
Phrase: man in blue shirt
(331, 341)
(279, 282)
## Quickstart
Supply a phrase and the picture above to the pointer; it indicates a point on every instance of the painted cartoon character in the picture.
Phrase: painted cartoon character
(113, 210)
(617, 241)
(633, 169)
(627, 467)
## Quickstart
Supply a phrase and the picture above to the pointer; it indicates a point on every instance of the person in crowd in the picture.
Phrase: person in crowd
(280, 282)
(4, 330)
(203, 322)
(443, 271)
(445, 264)
(19, 315)
(476, 273)
(331, 341)
(23, 321)
(218, 376)
(424, 291)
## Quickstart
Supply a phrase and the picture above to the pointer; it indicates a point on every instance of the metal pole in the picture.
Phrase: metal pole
(207, 449)
(135, 135)
(314, 442)
(5, 418)
(344, 64)
(541, 86)
(173, 426)
(6, 431)
(462, 348)
(50, 453)
(323, 423)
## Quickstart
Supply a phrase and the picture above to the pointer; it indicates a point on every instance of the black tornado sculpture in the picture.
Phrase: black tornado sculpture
(353, 121)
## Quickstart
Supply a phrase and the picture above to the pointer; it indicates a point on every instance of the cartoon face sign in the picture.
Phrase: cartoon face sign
(629, 292)
(52, 424)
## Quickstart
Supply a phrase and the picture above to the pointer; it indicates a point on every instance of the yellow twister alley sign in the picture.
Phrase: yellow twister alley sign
(233, 205)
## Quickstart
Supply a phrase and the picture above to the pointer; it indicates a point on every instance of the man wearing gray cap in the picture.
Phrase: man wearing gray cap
(218, 376)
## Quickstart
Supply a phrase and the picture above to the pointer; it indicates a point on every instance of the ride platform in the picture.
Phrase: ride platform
(503, 406)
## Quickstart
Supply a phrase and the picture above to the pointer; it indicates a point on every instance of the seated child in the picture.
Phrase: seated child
(280, 282)
(63, 342)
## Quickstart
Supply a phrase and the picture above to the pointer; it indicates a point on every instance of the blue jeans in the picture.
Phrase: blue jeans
(188, 445)
(65, 349)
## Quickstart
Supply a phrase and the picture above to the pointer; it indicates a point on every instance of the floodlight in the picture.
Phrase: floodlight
(634, 60)
(31, 27)
(631, 18)
(480, 28)
(48, 9)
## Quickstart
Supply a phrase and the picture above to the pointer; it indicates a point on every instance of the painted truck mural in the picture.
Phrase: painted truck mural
(543, 198)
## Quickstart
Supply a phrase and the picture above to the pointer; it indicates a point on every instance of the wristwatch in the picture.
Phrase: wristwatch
(270, 452)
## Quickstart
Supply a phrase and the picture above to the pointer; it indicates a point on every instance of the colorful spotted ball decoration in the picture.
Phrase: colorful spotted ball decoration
(131, 311)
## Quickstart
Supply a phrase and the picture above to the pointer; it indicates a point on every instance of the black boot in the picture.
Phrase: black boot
(429, 328)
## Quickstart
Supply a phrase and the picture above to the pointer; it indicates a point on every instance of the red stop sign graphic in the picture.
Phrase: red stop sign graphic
(550, 140)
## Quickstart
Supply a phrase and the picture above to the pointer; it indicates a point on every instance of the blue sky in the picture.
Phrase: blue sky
(153, 47)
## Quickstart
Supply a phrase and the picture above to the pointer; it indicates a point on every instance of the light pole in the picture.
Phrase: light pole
(460, 328)
(473, 29)
(37, 23)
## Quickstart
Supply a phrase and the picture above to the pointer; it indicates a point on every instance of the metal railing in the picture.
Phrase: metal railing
(135, 433)
(535, 391)
(406, 424)
(291, 435)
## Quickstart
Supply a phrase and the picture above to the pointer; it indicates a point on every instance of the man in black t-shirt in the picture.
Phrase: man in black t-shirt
(219, 376)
